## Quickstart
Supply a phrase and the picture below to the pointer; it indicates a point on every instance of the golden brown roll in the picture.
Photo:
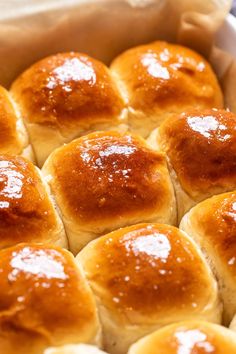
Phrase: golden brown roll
(145, 277)
(27, 213)
(108, 180)
(212, 224)
(201, 150)
(65, 96)
(44, 300)
(189, 337)
(74, 349)
(13, 136)
(159, 79)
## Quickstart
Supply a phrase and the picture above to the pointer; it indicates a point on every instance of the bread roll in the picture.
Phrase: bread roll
(201, 150)
(233, 324)
(74, 349)
(13, 136)
(145, 277)
(212, 224)
(189, 337)
(108, 180)
(44, 299)
(27, 213)
(65, 96)
(159, 79)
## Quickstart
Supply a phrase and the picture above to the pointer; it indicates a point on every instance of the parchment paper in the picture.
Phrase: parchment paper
(30, 30)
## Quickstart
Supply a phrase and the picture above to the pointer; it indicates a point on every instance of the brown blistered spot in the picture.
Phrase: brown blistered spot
(26, 213)
(9, 140)
(167, 77)
(188, 338)
(217, 220)
(41, 292)
(150, 269)
(201, 146)
(110, 175)
(67, 89)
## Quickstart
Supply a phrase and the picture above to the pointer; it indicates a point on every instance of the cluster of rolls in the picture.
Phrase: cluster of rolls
(123, 238)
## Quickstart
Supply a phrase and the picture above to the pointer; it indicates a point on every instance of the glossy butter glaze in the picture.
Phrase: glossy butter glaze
(149, 270)
(167, 77)
(110, 175)
(216, 220)
(42, 297)
(26, 213)
(66, 89)
(201, 146)
(191, 337)
(9, 138)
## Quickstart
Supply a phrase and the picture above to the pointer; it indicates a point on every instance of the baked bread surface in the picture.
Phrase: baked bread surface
(159, 79)
(44, 299)
(107, 180)
(147, 276)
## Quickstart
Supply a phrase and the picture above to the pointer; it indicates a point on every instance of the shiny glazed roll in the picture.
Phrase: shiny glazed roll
(212, 224)
(65, 96)
(189, 337)
(13, 136)
(108, 180)
(27, 212)
(201, 150)
(74, 349)
(145, 277)
(159, 79)
(44, 300)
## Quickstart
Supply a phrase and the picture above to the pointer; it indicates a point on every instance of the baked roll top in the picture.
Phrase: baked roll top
(201, 149)
(159, 79)
(144, 277)
(212, 224)
(27, 213)
(13, 136)
(64, 96)
(107, 180)
(44, 300)
(189, 337)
